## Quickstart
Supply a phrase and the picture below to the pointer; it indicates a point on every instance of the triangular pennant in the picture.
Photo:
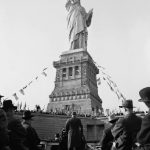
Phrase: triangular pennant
(114, 84)
(45, 69)
(15, 95)
(24, 87)
(101, 67)
(98, 81)
(122, 96)
(118, 95)
(104, 78)
(21, 91)
(36, 77)
(44, 73)
(20, 105)
(25, 106)
(30, 83)
(110, 86)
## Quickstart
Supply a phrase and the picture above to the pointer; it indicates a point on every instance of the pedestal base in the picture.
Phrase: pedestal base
(75, 84)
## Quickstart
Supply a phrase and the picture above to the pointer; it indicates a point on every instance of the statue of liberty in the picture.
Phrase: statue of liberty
(77, 22)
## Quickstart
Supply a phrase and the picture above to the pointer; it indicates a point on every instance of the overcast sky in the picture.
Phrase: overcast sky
(33, 34)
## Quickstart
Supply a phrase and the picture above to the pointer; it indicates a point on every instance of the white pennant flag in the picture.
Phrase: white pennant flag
(44, 73)
(22, 91)
(98, 81)
(24, 108)
(45, 69)
(24, 87)
(30, 83)
(36, 77)
(18, 105)
(16, 97)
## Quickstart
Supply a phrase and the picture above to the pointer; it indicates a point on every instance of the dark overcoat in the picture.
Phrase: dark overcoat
(125, 131)
(4, 136)
(32, 138)
(74, 128)
(107, 138)
(17, 134)
(143, 136)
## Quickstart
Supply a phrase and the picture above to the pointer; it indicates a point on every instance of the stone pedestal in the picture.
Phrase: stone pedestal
(75, 84)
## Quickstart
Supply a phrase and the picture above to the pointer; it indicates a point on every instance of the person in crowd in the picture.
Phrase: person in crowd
(4, 137)
(74, 129)
(63, 140)
(17, 133)
(143, 136)
(32, 138)
(57, 137)
(107, 137)
(126, 128)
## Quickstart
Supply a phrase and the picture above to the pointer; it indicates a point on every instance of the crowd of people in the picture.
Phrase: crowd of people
(14, 133)
(69, 113)
(130, 132)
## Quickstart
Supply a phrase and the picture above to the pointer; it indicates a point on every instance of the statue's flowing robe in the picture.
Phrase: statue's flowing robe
(76, 23)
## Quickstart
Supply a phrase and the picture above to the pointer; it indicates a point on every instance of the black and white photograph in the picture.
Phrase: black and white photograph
(75, 75)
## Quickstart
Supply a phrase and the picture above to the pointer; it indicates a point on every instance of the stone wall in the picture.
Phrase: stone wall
(47, 125)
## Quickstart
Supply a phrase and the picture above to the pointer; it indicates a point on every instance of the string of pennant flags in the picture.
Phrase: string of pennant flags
(22, 90)
(112, 85)
(103, 76)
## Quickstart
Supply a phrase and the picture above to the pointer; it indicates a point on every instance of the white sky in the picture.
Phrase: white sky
(33, 34)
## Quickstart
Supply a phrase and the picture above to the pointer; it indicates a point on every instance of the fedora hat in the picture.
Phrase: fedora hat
(74, 113)
(27, 115)
(7, 104)
(144, 94)
(112, 118)
(127, 104)
(1, 96)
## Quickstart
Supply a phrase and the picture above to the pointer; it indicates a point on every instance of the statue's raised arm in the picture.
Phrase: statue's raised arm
(77, 22)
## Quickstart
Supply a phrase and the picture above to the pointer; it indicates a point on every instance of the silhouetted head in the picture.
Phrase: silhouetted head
(74, 114)
(145, 96)
(8, 105)
(27, 115)
(127, 104)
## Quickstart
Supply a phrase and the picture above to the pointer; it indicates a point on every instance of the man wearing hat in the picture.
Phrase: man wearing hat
(4, 136)
(126, 128)
(143, 136)
(74, 128)
(107, 137)
(32, 139)
(17, 133)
